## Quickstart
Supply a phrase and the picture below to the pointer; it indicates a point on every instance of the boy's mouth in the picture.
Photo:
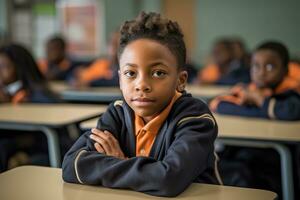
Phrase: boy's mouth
(142, 101)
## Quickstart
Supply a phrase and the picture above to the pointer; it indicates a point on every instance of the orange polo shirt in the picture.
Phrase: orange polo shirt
(209, 74)
(101, 68)
(43, 65)
(294, 70)
(146, 133)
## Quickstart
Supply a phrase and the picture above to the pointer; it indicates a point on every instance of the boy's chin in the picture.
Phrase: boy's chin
(144, 114)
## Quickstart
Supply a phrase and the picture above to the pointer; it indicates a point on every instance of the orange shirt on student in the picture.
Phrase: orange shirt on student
(294, 70)
(99, 69)
(43, 65)
(209, 74)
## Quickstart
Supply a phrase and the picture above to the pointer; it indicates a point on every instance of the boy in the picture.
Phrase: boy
(159, 139)
(225, 69)
(272, 94)
(57, 66)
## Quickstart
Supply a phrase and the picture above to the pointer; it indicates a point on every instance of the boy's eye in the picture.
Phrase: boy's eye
(129, 74)
(269, 67)
(159, 73)
(255, 66)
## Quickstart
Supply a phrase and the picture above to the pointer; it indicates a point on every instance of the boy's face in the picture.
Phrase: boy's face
(55, 53)
(149, 77)
(221, 54)
(267, 70)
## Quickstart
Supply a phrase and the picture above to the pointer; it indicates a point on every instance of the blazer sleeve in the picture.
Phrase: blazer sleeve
(186, 159)
(283, 107)
(229, 108)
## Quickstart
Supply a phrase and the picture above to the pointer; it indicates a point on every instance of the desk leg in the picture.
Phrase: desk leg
(285, 161)
(52, 139)
(53, 146)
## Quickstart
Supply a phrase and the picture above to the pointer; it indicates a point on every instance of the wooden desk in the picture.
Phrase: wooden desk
(263, 133)
(45, 183)
(88, 124)
(262, 129)
(109, 94)
(207, 92)
(46, 118)
(86, 94)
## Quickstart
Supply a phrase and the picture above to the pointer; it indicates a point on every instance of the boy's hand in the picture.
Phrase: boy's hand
(106, 143)
(255, 97)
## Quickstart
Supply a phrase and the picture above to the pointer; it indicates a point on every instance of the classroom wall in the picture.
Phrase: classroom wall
(3, 19)
(253, 20)
(118, 11)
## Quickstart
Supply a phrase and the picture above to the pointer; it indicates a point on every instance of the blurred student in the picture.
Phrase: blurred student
(224, 69)
(57, 65)
(20, 78)
(20, 81)
(159, 139)
(103, 71)
(272, 93)
(241, 58)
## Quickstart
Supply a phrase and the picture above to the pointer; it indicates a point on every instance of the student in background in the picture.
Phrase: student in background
(224, 69)
(159, 139)
(241, 58)
(20, 78)
(57, 65)
(103, 71)
(21, 81)
(272, 93)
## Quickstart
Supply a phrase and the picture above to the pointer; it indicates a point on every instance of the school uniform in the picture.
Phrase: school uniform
(238, 72)
(179, 153)
(60, 71)
(101, 72)
(282, 104)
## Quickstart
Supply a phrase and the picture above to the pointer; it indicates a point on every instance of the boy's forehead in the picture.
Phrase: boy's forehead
(147, 51)
(267, 54)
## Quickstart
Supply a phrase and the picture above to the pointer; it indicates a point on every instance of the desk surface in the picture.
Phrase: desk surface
(45, 183)
(253, 128)
(207, 91)
(48, 114)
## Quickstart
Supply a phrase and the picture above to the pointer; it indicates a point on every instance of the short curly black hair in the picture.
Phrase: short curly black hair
(153, 26)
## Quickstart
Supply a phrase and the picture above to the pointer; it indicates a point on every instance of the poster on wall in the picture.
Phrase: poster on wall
(80, 24)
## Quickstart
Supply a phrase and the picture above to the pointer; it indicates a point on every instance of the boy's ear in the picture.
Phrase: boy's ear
(120, 82)
(182, 80)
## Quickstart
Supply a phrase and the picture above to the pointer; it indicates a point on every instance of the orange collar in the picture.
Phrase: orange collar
(288, 83)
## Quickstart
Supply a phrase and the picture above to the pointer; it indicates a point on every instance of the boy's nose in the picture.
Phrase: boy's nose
(261, 71)
(142, 86)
